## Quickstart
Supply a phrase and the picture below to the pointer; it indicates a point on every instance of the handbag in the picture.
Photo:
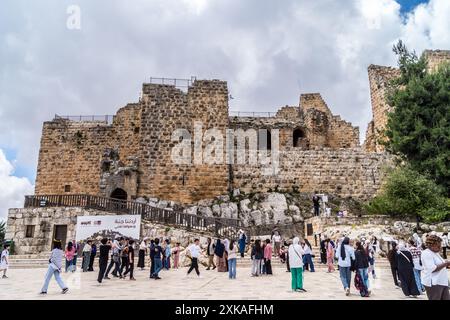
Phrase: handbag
(352, 264)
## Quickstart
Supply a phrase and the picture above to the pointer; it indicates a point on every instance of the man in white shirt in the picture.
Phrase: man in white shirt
(434, 273)
(86, 255)
(277, 243)
(195, 251)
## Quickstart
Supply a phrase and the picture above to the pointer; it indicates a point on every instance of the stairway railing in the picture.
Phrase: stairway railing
(221, 227)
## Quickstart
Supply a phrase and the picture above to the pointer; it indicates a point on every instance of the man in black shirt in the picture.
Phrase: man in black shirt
(157, 251)
(130, 266)
(316, 204)
(105, 247)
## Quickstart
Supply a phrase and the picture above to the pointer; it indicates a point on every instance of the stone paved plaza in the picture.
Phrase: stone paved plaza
(26, 284)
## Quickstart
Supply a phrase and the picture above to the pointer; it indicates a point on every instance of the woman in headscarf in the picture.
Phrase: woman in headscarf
(242, 242)
(371, 257)
(345, 256)
(392, 258)
(219, 251)
(361, 268)
(296, 265)
(330, 255)
(323, 250)
(226, 243)
(142, 252)
(417, 240)
(405, 268)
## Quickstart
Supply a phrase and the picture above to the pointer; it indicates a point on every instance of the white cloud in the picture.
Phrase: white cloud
(268, 51)
(12, 189)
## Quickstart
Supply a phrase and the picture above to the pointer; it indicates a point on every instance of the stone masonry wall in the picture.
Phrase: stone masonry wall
(45, 219)
(71, 152)
(165, 109)
(379, 81)
(380, 78)
(436, 58)
(344, 173)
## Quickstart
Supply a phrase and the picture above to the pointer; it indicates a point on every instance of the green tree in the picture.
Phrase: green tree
(418, 128)
(407, 193)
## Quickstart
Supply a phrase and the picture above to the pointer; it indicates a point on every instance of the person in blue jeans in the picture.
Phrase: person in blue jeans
(307, 257)
(362, 267)
(345, 255)
(54, 268)
(232, 257)
(157, 251)
(167, 254)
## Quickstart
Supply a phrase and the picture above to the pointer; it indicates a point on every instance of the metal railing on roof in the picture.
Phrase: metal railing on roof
(258, 114)
(87, 118)
(177, 83)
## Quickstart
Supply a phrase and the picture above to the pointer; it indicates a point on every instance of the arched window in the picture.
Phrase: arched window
(298, 137)
(119, 194)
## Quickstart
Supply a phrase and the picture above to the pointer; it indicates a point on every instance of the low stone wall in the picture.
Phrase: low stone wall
(44, 221)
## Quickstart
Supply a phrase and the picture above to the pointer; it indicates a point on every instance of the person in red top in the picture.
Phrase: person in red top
(268, 256)
(70, 257)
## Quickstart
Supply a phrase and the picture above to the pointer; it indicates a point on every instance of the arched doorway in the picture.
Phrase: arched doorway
(298, 138)
(119, 194)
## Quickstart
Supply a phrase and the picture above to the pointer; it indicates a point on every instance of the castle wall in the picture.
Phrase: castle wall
(126, 125)
(341, 134)
(70, 154)
(166, 109)
(436, 58)
(344, 173)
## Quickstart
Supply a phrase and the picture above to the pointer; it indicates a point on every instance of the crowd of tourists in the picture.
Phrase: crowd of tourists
(417, 266)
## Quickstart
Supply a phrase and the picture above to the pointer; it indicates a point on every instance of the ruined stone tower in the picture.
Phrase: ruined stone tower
(380, 81)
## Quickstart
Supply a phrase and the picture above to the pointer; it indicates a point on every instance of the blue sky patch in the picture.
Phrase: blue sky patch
(409, 5)
(19, 171)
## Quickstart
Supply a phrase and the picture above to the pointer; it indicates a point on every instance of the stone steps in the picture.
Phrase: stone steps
(241, 262)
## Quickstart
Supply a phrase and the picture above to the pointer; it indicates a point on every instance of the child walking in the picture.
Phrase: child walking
(4, 263)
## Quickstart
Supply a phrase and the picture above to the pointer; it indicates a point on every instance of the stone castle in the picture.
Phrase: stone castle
(128, 156)
(131, 157)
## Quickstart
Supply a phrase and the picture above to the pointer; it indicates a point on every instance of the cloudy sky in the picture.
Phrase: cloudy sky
(268, 51)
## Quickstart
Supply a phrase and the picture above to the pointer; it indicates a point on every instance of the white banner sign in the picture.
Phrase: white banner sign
(96, 227)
